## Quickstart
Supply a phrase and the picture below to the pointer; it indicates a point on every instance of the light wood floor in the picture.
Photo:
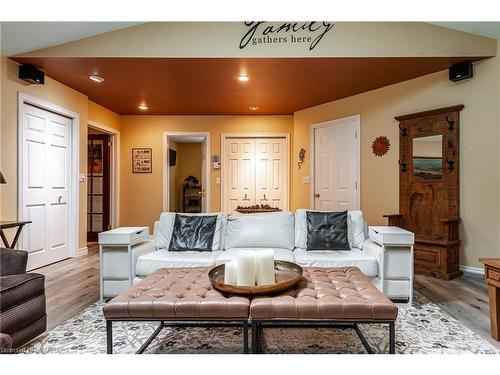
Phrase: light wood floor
(73, 284)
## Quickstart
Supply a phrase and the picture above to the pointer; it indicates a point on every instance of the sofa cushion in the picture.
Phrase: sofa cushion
(327, 231)
(270, 230)
(279, 254)
(15, 289)
(164, 228)
(194, 233)
(355, 228)
(327, 259)
(148, 263)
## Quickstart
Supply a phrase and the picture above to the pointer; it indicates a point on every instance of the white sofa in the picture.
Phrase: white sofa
(283, 232)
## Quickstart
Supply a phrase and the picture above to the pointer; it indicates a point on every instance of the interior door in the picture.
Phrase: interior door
(46, 185)
(336, 166)
(239, 173)
(98, 188)
(204, 177)
(271, 161)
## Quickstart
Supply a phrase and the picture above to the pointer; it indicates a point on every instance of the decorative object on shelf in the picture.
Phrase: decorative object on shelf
(2, 179)
(381, 146)
(429, 193)
(256, 209)
(302, 157)
(142, 160)
(287, 275)
(192, 194)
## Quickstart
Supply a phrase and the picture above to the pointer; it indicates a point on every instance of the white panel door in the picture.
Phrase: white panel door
(336, 166)
(239, 173)
(271, 162)
(46, 186)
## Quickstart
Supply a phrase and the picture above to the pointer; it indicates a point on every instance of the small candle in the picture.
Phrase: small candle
(230, 272)
(265, 267)
(245, 268)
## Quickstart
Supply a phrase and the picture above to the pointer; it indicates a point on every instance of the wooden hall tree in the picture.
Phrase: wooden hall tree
(429, 188)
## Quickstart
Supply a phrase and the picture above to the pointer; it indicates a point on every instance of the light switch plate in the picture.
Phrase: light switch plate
(306, 180)
(217, 180)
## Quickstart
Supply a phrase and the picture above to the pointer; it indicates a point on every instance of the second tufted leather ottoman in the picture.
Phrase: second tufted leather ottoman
(177, 296)
(337, 297)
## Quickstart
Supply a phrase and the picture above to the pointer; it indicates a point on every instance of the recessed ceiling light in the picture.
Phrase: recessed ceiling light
(96, 78)
(254, 107)
(243, 78)
(142, 107)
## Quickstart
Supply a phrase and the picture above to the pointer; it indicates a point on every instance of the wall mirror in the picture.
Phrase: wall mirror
(428, 157)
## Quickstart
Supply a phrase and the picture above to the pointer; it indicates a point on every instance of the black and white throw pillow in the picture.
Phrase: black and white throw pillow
(327, 231)
(193, 233)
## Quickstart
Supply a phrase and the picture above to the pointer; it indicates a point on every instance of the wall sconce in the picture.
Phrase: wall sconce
(302, 156)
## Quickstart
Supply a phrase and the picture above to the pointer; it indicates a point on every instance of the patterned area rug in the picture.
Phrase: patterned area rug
(422, 328)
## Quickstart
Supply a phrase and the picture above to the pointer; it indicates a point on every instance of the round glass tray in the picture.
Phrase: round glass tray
(287, 275)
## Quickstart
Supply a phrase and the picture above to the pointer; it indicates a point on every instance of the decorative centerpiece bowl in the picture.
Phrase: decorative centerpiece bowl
(287, 275)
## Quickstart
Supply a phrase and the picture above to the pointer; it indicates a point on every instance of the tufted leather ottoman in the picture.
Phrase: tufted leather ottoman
(326, 297)
(177, 296)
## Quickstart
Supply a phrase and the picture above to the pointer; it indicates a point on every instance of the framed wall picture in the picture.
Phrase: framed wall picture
(142, 160)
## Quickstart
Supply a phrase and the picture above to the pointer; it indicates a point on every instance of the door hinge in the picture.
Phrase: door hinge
(356, 183)
(109, 143)
(356, 134)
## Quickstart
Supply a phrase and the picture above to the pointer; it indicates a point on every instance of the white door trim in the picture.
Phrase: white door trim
(114, 172)
(325, 124)
(165, 164)
(75, 163)
(224, 136)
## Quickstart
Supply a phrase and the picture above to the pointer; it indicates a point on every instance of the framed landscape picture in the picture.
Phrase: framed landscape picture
(142, 160)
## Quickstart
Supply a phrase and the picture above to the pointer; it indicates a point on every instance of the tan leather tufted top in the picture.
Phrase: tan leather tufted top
(335, 294)
(177, 294)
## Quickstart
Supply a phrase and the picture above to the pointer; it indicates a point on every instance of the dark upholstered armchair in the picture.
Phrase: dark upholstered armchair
(22, 301)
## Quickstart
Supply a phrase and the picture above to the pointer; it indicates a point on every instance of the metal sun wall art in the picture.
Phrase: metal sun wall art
(381, 146)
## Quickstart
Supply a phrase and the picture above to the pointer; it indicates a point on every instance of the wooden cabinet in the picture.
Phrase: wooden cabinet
(429, 189)
(492, 276)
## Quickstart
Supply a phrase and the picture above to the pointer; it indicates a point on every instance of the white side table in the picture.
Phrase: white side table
(118, 251)
(397, 262)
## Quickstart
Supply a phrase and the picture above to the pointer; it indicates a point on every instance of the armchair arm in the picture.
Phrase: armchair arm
(12, 261)
(451, 225)
(374, 249)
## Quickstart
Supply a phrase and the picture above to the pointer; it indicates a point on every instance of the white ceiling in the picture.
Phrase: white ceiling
(488, 29)
(22, 37)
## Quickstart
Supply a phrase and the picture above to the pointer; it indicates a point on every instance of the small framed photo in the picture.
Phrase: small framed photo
(142, 160)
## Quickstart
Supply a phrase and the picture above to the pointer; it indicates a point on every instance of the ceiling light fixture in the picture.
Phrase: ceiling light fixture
(96, 78)
(142, 107)
(243, 78)
(254, 107)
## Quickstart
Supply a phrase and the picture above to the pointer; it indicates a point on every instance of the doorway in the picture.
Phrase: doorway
(98, 183)
(255, 171)
(335, 169)
(186, 172)
(48, 180)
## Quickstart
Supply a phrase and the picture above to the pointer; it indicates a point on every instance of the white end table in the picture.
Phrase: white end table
(396, 272)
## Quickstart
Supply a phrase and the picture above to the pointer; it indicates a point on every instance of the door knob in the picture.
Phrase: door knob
(264, 196)
(59, 199)
(245, 197)
(316, 195)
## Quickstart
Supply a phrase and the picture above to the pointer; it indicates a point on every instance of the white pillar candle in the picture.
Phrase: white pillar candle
(245, 268)
(265, 267)
(230, 272)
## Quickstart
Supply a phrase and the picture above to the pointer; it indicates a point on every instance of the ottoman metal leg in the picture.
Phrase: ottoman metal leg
(245, 337)
(109, 337)
(392, 338)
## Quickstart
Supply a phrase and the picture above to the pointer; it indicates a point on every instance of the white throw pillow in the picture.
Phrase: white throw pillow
(165, 227)
(355, 228)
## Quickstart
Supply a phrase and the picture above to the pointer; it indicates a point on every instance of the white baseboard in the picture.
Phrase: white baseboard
(82, 251)
(477, 272)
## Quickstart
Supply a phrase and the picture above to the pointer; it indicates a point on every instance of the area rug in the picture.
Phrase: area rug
(422, 328)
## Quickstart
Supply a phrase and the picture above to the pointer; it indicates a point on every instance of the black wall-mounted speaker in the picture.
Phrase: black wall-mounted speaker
(31, 74)
(460, 71)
